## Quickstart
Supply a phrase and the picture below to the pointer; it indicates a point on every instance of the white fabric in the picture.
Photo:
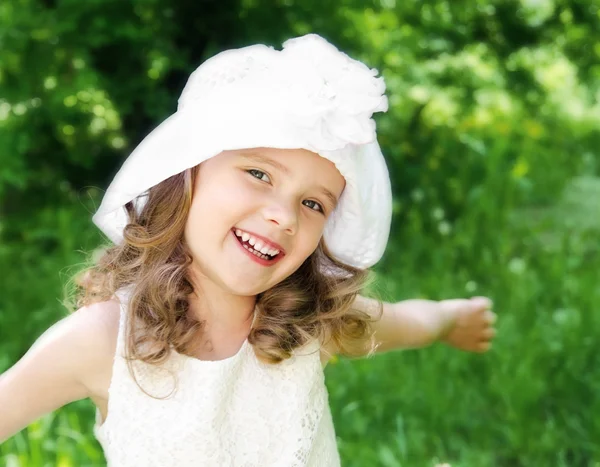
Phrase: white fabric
(309, 95)
(236, 412)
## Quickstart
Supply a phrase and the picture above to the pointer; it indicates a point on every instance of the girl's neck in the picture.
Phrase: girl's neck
(224, 312)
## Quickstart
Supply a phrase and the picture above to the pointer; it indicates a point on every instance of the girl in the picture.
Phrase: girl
(244, 226)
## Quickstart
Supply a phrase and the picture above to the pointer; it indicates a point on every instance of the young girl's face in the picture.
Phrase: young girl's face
(280, 197)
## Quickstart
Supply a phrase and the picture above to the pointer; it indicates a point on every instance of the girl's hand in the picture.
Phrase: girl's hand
(469, 323)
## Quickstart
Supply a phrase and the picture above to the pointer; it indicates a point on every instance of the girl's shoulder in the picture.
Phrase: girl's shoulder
(99, 323)
(83, 344)
(104, 318)
(71, 360)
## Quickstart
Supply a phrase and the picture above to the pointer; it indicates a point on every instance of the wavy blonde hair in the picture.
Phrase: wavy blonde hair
(154, 261)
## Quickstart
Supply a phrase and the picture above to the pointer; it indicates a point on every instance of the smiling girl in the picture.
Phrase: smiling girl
(243, 229)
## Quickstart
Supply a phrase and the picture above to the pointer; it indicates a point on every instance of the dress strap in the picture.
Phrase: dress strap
(123, 296)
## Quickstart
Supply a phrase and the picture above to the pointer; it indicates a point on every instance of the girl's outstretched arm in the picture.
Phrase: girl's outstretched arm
(59, 368)
(466, 324)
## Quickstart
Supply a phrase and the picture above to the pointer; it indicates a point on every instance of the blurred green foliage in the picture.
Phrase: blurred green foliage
(492, 143)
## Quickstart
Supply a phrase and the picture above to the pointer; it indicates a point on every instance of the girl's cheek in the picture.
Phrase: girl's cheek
(230, 190)
(249, 192)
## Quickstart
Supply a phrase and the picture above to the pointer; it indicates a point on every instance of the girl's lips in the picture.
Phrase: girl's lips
(262, 262)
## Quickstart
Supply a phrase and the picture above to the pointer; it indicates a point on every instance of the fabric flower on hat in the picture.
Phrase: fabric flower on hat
(330, 90)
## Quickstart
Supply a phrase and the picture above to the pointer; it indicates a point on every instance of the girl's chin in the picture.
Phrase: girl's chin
(244, 290)
(246, 287)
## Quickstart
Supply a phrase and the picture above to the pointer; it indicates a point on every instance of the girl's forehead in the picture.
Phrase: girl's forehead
(286, 160)
(279, 153)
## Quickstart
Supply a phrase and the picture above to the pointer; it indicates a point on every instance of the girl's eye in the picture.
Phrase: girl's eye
(258, 174)
(320, 208)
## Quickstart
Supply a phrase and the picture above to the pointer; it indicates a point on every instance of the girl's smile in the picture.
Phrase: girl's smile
(257, 248)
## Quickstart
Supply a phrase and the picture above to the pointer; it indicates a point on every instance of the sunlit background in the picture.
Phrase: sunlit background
(492, 143)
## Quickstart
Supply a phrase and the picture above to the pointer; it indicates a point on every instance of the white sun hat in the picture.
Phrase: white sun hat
(308, 95)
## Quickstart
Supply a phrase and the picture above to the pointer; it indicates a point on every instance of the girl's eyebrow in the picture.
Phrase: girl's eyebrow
(282, 168)
(265, 160)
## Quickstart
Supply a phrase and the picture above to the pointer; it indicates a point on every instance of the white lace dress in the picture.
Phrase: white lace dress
(235, 412)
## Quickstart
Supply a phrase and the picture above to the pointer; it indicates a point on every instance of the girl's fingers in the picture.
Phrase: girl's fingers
(482, 303)
(484, 346)
(488, 334)
(489, 317)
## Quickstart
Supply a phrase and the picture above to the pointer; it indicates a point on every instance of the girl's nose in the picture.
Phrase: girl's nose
(282, 213)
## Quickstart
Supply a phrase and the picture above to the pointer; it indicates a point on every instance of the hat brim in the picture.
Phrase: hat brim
(356, 232)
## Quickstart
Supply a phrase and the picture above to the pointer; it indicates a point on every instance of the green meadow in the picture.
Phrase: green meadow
(492, 145)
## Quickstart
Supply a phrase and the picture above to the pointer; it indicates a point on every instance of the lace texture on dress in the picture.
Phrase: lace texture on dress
(235, 412)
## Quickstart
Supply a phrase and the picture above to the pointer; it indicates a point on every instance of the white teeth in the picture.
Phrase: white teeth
(254, 252)
(258, 246)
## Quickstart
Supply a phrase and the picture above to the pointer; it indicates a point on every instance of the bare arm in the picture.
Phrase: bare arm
(56, 370)
(462, 323)
(407, 324)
